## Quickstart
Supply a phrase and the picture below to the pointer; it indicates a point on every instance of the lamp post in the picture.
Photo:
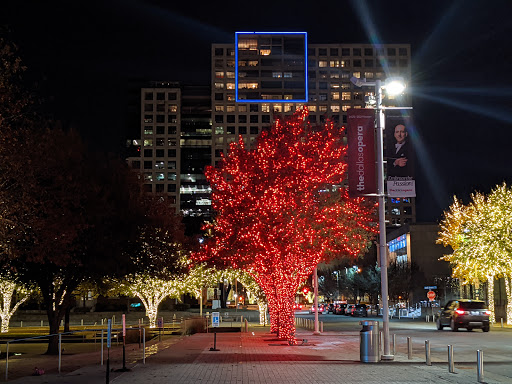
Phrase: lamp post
(393, 86)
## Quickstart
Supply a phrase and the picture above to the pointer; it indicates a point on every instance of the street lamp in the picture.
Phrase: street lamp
(393, 86)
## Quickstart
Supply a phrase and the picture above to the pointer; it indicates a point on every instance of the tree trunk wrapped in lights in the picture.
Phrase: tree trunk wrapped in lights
(281, 209)
(490, 298)
(480, 235)
(152, 291)
(7, 290)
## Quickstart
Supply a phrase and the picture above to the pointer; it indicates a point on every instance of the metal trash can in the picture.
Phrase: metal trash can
(369, 347)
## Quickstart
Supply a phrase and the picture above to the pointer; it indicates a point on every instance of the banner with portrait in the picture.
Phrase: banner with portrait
(361, 151)
(399, 154)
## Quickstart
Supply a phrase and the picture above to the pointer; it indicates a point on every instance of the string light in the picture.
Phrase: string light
(7, 290)
(282, 208)
(480, 236)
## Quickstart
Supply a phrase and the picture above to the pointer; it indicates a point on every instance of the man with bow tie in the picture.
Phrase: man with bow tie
(399, 160)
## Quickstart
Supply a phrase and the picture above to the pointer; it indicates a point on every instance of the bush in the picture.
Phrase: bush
(193, 325)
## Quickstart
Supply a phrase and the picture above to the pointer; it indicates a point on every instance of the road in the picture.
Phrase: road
(496, 344)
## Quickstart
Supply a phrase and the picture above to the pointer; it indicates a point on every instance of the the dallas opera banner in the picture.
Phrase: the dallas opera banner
(361, 151)
(399, 155)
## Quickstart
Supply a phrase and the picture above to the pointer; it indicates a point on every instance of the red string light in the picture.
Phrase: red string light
(281, 209)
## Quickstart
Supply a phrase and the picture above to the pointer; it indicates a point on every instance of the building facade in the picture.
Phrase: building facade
(185, 128)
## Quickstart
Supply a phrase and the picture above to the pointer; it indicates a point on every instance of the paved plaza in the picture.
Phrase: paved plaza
(259, 357)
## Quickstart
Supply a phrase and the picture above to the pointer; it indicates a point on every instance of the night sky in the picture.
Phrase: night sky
(92, 57)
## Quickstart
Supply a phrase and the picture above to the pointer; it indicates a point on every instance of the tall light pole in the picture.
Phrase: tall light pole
(315, 300)
(393, 86)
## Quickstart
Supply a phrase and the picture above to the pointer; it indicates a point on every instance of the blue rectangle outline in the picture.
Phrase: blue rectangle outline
(273, 100)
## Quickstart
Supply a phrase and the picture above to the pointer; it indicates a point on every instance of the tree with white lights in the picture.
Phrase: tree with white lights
(9, 290)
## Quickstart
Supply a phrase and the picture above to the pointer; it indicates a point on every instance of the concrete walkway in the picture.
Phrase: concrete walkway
(258, 357)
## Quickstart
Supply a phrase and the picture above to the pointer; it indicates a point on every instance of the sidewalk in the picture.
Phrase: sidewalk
(258, 357)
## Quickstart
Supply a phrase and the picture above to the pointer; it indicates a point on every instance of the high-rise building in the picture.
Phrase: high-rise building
(185, 128)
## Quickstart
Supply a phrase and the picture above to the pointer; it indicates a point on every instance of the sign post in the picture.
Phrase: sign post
(215, 324)
(109, 342)
(124, 369)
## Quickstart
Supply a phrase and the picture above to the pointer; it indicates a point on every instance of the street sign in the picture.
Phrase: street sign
(430, 287)
(215, 319)
(431, 295)
(109, 333)
(124, 326)
(160, 322)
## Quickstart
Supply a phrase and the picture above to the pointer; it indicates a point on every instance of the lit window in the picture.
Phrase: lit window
(148, 142)
(173, 108)
(322, 108)
(312, 108)
(369, 75)
(345, 86)
(334, 63)
(335, 75)
(345, 107)
(346, 96)
(230, 108)
(288, 74)
(288, 107)
(344, 63)
(335, 95)
(395, 211)
(277, 74)
(242, 107)
(219, 130)
(265, 52)
(219, 74)
(219, 108)
(219, 85)
(230, 75)
(230, 85)
(335, 108)
(277, 108)
(248, 44)
(148, 130)
(322, 63)
(265, 108)
(357, 74)
(253, 63)
(148, 176)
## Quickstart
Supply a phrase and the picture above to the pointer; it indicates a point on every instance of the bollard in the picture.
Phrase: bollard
(7, 361)
(322, 326)
(451, 364)
(101, 321)
(21, 324)
(82, 322)
(502, 322)
(143, 345)
(60, 350)
(41, 323)
(480, 366)
(394, 344)
(428, 359)
(427, 318)
(381, 342)
(409, 348)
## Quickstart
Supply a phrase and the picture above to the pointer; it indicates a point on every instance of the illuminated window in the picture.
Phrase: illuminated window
(369, 75)
(171, 176)
(248, 44)
(345, 107)
(265, 52)
(159, 165)
(345, 85)
(335, 85)
(219, 85)
(148, 142)
(265, 108)
(219, 130)
(148, 130)
(242, 107)
(173, 108)
(219, 74)
(288, 74)
(322, 63)
(230, 108)
(219, 108)
(230, 97)
(344, 63)
(334, 63)
(230, 75)
(346, 96)
(231, 63)
(335, 95)
(395, 211)
(335, 75)
(171, 165)
(322, 108)
(357, 74)
(335, 108)
(288, 107)
(345, 75)
(312, 108)
(148, 176)
(277, 108)
(230, 85)
(277, 74)
(253, 63)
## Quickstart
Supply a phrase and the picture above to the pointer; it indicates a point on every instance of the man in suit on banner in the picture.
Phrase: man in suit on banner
(399, 159)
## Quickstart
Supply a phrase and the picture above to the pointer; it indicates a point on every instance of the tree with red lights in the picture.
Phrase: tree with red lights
(281, 209)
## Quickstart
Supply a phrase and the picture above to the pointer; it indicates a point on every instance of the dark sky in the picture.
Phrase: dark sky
(95, 55)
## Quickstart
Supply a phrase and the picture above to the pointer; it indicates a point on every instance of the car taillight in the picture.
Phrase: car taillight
(460, 311)
(487, 312)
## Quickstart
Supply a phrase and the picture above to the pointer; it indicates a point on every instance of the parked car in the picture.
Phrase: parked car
(321, 309)
(330, 308)
(463, 313)
(297, 306)
(349, 309)
(360, 310)
(340, 309)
